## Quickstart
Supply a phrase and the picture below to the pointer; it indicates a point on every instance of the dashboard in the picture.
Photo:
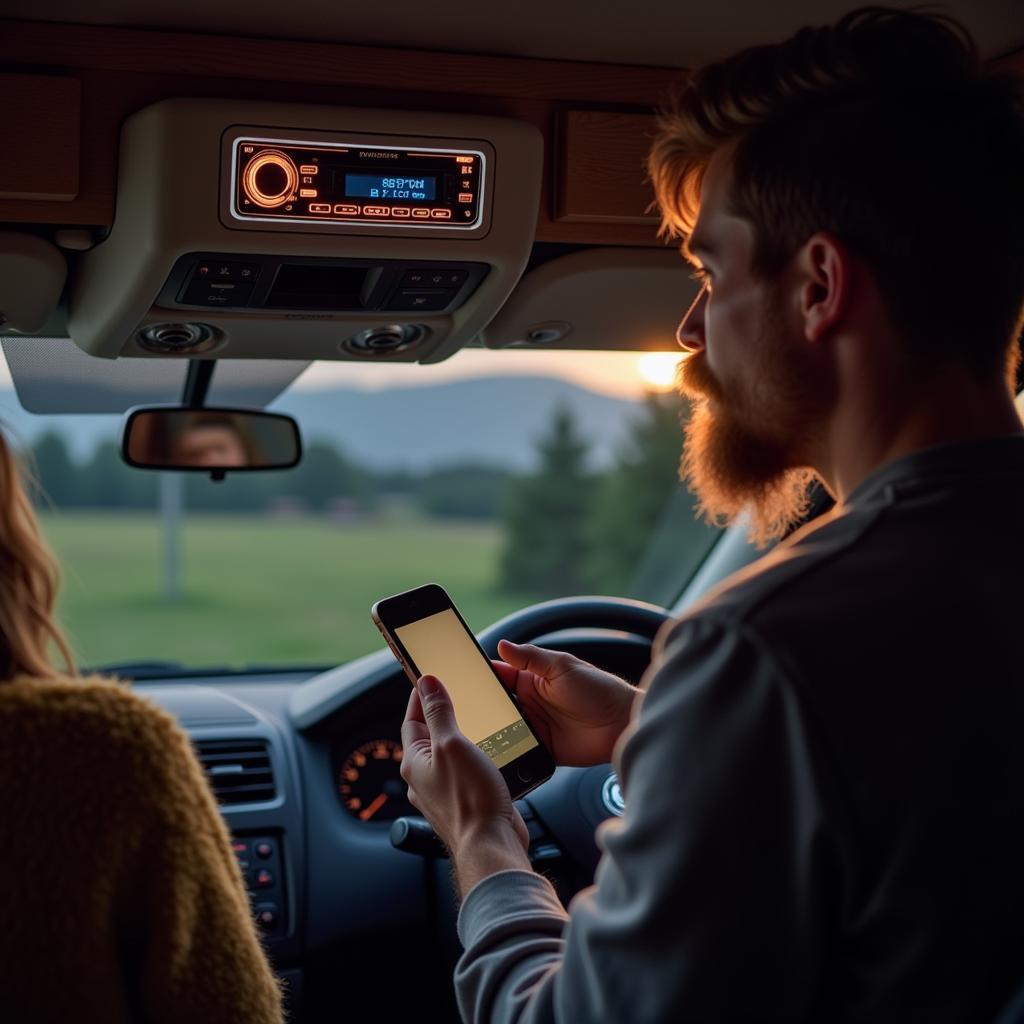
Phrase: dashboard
(305, 767)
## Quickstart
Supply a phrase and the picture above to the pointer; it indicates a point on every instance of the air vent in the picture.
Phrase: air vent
(239, 770)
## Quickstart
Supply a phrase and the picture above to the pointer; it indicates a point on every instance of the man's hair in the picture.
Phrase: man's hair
(887, 131)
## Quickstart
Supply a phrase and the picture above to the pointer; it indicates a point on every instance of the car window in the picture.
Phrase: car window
(508, 477)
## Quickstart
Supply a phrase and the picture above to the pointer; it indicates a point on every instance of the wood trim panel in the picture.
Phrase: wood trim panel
(601, 168)
(1010, 62)
(42, 112)
(150, 52)
(123, 70)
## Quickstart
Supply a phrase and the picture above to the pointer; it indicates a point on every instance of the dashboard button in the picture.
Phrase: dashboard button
(346, 210)
(222, 270)
(263, 849)
(267, 915)
(453, 278)
(399, 211)
(416, 278)
(264, 879)
(217, 293)
(420, 211)
(441, 214)
(415, 298)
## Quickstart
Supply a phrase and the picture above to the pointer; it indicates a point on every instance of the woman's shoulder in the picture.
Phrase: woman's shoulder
(107, 702)
(100, 720)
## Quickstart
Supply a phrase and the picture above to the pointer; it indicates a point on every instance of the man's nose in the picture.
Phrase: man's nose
(690, 332)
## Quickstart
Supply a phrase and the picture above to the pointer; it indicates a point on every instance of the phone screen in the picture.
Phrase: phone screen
(440, 646)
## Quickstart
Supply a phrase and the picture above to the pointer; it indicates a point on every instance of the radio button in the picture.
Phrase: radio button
(441, 214)
(453, 278)
(377, 211)
(430, 300)
(420, 211)
(346, 210)
(308, 169)
(399, 211)
(465, 197)
(216, 293)
(219, 271)
(433, 278)
(319, 207)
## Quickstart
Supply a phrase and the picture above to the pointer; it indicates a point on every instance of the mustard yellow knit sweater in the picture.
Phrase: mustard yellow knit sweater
(120, 898)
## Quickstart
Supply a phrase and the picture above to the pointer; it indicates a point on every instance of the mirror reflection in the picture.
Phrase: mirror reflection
(210, 439)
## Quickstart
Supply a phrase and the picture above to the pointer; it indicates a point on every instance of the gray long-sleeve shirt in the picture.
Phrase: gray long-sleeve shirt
(824, 787)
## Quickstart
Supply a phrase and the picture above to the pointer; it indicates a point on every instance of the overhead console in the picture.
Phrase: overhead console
(267, 230)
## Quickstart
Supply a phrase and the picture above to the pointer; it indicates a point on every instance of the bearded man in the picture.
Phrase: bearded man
(823, 766)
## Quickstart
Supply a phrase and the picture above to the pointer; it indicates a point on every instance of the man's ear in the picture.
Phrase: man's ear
(825, 268)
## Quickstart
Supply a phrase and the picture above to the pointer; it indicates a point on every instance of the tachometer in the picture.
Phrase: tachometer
(370, 785)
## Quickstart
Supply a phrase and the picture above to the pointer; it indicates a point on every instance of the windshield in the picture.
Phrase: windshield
(507, 477)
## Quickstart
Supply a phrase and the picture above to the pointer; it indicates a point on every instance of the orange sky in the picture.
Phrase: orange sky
(612, 373)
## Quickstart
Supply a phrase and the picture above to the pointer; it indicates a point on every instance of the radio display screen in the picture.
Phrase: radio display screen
(353, 183)
(379, 186)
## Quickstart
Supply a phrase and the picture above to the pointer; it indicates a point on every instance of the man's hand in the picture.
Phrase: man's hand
(458, 789)
(578, 710)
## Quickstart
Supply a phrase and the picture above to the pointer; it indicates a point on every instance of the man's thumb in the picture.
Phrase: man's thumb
(537, 659)
(437, 706)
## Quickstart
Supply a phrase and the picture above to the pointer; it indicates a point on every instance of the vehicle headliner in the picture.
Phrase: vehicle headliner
(657, 33)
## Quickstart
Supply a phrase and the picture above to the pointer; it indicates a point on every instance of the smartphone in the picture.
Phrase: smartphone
(427, 634)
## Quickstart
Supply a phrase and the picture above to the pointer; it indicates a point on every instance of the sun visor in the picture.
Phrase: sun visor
(606, 298)
(53, 375)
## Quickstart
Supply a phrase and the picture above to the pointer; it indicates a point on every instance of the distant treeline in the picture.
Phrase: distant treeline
(324, 481)
(567, 529)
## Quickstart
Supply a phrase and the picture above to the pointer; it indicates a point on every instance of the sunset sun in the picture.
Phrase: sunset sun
(658, 369)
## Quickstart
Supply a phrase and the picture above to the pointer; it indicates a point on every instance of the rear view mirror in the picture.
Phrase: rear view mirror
(211, 440)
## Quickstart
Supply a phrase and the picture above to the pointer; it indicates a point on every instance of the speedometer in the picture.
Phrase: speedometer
(369, 782)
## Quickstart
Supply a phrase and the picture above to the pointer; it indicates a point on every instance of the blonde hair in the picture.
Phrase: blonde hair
(29, 580)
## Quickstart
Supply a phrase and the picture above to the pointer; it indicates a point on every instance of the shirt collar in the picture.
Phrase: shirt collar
(950, 460)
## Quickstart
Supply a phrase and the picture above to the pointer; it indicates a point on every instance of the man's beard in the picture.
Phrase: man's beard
(739, 452)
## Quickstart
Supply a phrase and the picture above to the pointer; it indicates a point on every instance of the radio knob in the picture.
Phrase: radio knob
(270, 178)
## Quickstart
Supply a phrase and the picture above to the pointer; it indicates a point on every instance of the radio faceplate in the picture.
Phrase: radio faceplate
(277, 182)
(329, 281)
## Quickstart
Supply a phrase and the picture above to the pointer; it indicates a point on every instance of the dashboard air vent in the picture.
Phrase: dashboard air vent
(239, 770)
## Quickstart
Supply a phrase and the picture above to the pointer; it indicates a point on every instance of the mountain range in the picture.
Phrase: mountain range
(496, 420)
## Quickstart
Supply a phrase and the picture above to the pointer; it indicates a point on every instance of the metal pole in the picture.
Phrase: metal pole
(172, 488)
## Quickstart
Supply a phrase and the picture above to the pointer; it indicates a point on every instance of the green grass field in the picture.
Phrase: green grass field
(257, 590)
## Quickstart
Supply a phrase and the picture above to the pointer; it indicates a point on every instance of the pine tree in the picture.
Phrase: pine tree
(546, 517)
(633, 495)
(55, 473)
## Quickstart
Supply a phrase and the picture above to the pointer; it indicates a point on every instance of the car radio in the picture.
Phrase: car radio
(266, 230)
(276, 181)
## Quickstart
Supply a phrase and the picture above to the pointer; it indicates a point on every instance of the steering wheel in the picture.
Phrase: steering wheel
(616, 613)
(574, 801)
